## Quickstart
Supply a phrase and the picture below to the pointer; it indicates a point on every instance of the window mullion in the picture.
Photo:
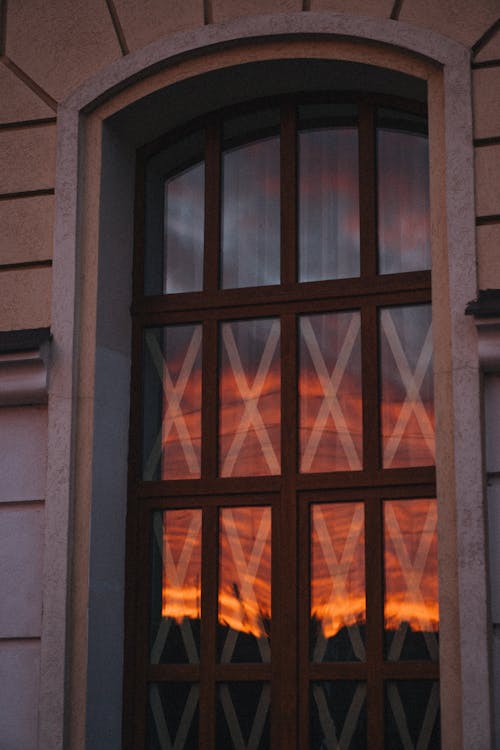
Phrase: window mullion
(370, 388)
(213, 183)
(288, 151)
(367, 189)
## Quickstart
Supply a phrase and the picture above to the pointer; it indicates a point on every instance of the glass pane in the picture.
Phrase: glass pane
(176, 587)
(243, 716)
(411, 611)
(244, 627)
(338, 715)
(403, 201)
(251, 214)
(328, 204)
(172, 402)
(174, 217)
(173, 716)
(184, 230)
(338, 603)
(407, 386)
(412, 715)
(330, 392)
(250, 393)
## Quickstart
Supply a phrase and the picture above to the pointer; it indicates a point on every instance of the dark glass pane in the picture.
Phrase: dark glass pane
(330, 392)
(173, 716)
(338, 716)
(243, 716)
(328, 204)
(338, 602)
(407, 408)
(403, 201)
(327, 114)
(172, 402)
(184, 230)
(412, 715)
(244, 626)
(250, 392)
(176, 587)
(411, 609)
(173, 256)
(251, 214)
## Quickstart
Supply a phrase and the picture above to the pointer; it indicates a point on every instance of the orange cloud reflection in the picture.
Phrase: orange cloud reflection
(337, 567)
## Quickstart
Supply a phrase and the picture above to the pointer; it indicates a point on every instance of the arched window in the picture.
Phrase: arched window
(282, 555)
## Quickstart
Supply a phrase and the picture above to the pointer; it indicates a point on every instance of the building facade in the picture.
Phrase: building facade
(87, 88)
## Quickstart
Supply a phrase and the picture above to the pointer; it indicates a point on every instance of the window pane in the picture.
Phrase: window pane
(243, 716)
(184, 230)
(330, 392)
(338, 602)
(407, 407)
(403, 201)
(172, 402)
(328, 204)
(411, 610)
(338, 715)
(244, 585)
(176, 587)
(412, 715)
(251, 214)
(249, 388)
(174, 217)
(173, 716)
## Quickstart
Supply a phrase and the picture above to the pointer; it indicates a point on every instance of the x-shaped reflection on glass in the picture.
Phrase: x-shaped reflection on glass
(330, 385)
(173, 416)
(413, 575)
(247, 573)
(250, 395)
(234, 725)
(412, 383)
(330, 741)
(163, 734)
(175, 574)
(427, 726)
(339, 572)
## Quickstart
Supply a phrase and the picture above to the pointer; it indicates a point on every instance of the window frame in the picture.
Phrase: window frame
(368, 292)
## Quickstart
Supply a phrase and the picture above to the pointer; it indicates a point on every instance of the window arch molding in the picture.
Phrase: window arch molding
(87, 364)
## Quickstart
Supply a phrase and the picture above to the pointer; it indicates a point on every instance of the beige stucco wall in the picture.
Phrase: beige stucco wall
(47, 49)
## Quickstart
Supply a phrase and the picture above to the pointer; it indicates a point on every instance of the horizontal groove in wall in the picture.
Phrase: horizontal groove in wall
(20, 638)
(21, 504)
(21, 124)
(26, 265)
(26, 194)
(484, 220)
(491, 141)
(486, 64)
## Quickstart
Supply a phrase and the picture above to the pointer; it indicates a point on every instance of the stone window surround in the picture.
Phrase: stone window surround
(90, 371)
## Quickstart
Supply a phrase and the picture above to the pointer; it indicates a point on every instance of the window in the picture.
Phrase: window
(282, 513)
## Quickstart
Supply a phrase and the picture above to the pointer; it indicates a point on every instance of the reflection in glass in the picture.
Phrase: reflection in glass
(249, 392)
(251, 214)
(172, 402)
(243, 716)
(403, 201)
(407, 408)
(411, 612)
(330, 392)
(173, 716)
(328, 204)
(184, 217)
(412, 715)
(244, 585)
(338, 715)
(176, 587)
(338, 603)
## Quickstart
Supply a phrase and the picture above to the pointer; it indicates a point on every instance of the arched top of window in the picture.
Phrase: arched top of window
(284, 193)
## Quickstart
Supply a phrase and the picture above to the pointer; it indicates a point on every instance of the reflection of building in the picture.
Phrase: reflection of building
(86, 80)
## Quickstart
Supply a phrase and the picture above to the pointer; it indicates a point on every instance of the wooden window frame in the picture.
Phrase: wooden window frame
(291, 493)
